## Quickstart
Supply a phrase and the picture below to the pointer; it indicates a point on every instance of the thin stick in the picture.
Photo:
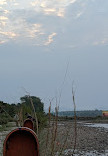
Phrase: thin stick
(75, 121)
(60, 93)
(55, 129)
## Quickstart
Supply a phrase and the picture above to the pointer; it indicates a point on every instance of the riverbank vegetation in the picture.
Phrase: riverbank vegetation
(29, 106)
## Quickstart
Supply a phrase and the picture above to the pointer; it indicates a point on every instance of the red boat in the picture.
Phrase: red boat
(29, 123)
(21, 142)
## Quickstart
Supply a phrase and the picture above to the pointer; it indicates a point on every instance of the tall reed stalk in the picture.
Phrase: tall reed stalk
(75, 120)
(54, 132)
(35, 115)
(20, 115)
(49, 120)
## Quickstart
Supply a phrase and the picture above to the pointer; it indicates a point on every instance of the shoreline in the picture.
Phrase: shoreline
(88, 140)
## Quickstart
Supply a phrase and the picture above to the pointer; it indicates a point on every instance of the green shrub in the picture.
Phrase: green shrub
(4, 118)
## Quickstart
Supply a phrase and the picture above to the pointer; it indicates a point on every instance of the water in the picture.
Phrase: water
(98, 125)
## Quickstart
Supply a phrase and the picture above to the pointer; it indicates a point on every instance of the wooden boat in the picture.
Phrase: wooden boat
(28, 123)
(21, 142)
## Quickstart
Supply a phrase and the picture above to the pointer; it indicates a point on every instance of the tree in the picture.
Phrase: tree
(38, 105)
(26, 105)
(7, 111)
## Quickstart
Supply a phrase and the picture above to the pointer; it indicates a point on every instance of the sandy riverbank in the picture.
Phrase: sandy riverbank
(91, 141)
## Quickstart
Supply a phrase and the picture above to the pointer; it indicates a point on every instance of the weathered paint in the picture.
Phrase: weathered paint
(21, 142)
(28, 123)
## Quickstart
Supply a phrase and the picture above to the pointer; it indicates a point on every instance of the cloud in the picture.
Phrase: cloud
(34, 3)
(54, 7)
(50, 39)
(33, 31)
(3, 2)
(72, 1)
(3, 24)
(28, 21)
(103, 41)
(49, 10)
(6, 2)
(8, 34)
(16, 4)
(2, 42)
(3, 18)
(37, 22)
(52, 11)
(79, 14)
(6, 11)
(61, 12)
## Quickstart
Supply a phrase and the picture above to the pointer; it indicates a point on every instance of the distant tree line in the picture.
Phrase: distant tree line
(83, 113)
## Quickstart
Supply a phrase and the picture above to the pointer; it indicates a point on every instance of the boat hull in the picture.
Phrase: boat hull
(28, 123)
(21, 142)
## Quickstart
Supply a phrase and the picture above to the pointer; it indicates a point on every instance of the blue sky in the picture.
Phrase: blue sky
(46, 45)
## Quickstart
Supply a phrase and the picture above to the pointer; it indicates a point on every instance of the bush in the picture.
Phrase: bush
(4, 118)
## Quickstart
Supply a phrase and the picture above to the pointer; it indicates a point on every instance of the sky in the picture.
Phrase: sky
(49, 47)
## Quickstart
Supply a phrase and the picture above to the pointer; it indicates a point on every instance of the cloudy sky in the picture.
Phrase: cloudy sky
(48, 45)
